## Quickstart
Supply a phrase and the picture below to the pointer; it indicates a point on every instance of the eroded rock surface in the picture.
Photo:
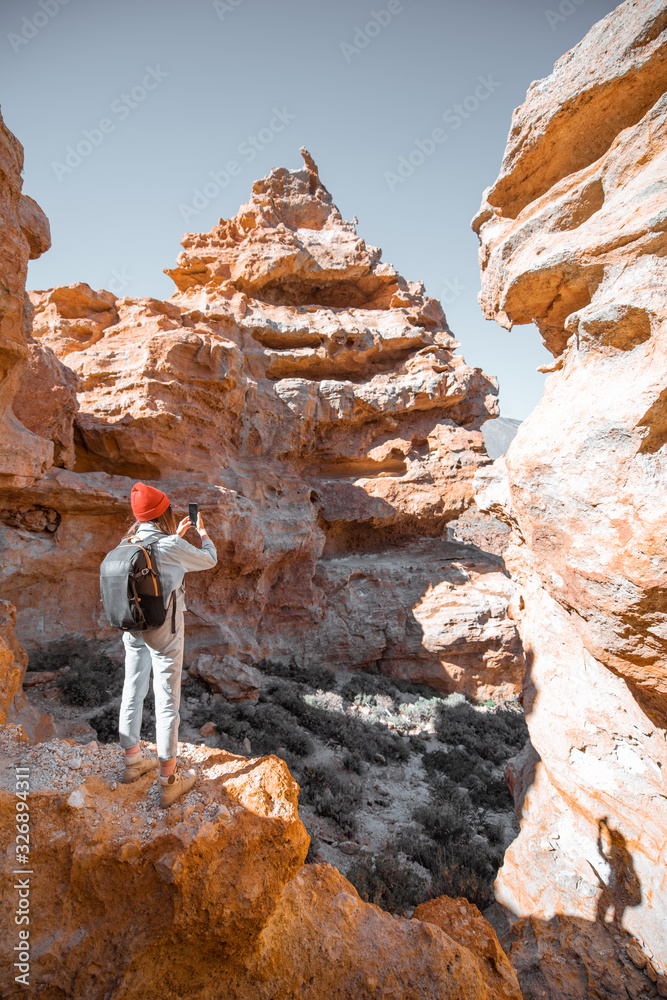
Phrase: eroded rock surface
(573, 238)
(217, 882)
(25, 235)
(14, 705)
(461, 919)
(13, 659)
(311, 400)
(46, 402)
(433, 612)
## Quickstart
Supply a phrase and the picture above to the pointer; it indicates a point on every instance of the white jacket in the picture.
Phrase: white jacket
(174, 558)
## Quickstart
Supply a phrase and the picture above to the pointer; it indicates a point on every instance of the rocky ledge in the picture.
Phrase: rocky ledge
(210, 897)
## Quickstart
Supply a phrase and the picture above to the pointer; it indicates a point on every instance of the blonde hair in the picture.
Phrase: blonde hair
(167, 522)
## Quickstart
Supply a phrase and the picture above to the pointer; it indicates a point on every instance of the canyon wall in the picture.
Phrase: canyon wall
(311, 400)
(25, 235)
(573, 237)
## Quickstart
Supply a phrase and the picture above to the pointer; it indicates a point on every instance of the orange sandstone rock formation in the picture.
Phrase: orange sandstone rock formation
(288, 340)
(25, 235)
(14, 705)
(460, 919)
(13, 659)
(210, 898)
(46, 402)
(573, 238)
(311, 400)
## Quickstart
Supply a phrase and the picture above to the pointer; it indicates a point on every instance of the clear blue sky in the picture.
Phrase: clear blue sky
(186, 87)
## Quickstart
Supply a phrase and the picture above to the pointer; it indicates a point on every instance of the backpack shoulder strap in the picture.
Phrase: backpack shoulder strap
(149, 564)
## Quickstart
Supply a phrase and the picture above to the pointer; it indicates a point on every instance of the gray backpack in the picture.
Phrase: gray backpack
(131, 590)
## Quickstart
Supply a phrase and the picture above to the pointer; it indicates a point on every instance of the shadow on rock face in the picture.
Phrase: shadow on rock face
(623, 888)
(590, 956)
(571, 958)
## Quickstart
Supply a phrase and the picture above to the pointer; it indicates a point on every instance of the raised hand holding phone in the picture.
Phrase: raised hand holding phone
(193, 520)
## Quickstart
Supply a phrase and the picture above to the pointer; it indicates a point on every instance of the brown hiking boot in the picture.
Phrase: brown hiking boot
(175, 785)
(139, 767)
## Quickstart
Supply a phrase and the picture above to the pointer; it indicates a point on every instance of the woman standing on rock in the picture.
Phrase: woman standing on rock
(160, 647)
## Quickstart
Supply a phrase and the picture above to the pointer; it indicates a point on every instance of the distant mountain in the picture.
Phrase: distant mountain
(498, 435)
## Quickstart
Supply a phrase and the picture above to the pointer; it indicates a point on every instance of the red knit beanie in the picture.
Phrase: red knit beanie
(147, 502)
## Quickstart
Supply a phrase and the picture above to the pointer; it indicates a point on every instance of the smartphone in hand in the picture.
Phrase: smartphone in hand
(193, 513)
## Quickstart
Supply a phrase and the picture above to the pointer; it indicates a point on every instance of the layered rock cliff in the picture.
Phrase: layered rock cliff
(311, 400)
(25, 235)
(573, 239)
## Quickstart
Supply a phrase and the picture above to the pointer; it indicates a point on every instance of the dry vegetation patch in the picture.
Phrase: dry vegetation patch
(402, 788)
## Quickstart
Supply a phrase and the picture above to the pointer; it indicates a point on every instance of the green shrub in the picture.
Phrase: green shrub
(446, 840)
(494, 735)
(458, 880)
(273, 727)
(105, 723)
(268, 726)
(464, 866)
(78, 654)
(55, 656)
(421, 849)
(489, 792)
(458, 767)
(86, 689)
(364, 738)
(384, 880)
(443, 823)
(353, 761)
(332, 794)
(444, 792)
(456, 764)
(89, 677)
(194, 687)
(364, 683)
(493, 832)
(456, 698)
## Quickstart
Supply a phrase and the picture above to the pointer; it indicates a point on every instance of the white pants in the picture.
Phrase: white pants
(162, 650)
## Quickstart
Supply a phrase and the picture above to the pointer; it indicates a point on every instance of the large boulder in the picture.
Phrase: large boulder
(228, 676)
(461, 920)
